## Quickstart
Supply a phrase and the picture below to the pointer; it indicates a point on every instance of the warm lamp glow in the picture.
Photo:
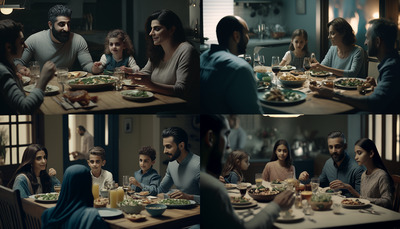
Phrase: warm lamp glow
(375, 15)
(282, 115)
(6, 11)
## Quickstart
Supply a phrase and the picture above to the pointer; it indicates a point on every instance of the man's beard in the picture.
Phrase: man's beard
(338, 158)
(61, 36)
(176, 155)
(372, 51)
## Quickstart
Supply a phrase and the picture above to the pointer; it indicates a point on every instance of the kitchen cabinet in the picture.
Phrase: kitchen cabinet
(268, 48)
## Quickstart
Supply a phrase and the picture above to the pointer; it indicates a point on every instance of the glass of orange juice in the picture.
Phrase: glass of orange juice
(259, 179)
(95, 191)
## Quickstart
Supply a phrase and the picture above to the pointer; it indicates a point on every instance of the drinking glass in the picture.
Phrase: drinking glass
(307, 66)
(34, 67)
(120, 77)
(125, 183)
(242, 188)
(57, 188)
(261, 31)
(258, 179)
(314, 184)
(62, 76)
(275, 68)
(258, 60)
(247, 58)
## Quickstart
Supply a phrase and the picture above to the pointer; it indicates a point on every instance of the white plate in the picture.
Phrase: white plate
(323, 190)
(230, 186)
(287, 68)
(128, 95)
(50, 89)
(364, 201)
(336, 82)
(109, 212)
(320, 73)
(25, 80)
(76, 74)
(129, 83)
(297, 215)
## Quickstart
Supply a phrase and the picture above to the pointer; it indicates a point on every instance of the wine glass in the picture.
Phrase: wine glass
(307, 65)
(34, 67)
(247, 58)
(314, 184)
(120, 77)
(125, 183)
(275, 68)
(242, 188)
(62, 76)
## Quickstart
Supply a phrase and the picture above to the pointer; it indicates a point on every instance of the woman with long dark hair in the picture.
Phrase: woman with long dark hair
(12, 96)
(280, 167)
(31, 176)
(173, 66)
(376, 182)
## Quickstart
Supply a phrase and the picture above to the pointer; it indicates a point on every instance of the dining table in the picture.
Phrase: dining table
(171, 218)
(311, 104)
(110, 100)
(345, 218)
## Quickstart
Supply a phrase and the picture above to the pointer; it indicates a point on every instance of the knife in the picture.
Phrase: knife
(65, 105)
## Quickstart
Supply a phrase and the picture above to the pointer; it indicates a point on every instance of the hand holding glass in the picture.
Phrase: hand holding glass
(34, 67)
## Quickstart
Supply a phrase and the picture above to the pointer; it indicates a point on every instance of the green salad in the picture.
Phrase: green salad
(130, 202)
(175, 202)
(93, 80)
(139, 93)
(349, 82)
(321, 198)
(47, 196)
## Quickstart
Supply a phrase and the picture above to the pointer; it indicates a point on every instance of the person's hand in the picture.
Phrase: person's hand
(52, 172)
(338, 184)
(285, 200)
(304, 176)
(316, 66)
(97, 67)
(178, 194)
(140, 78)
(22, 70)
(324, 92)
(371, 81)
(48, 71)
(132, 180)
(221, 178)
(126, 69)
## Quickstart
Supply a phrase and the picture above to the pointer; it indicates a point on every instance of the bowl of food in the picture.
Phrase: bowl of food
(321, 202)
(290, 80)
(278, 184)
(262, 194)
(131, 206)
(100, 202)
(156, 209)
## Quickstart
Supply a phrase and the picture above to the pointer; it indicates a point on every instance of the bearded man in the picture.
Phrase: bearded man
(183, 169)
(227, 81)
(340, 171)
(57, 44)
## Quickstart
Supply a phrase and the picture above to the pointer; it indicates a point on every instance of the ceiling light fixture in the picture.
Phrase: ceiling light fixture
(282, 115)
(8, 9)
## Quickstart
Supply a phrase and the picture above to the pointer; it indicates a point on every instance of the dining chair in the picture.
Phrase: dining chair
(396, 195)
(11, 213)
(33, 214)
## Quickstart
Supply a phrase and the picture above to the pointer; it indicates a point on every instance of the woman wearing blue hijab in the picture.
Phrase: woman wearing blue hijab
(74, 208)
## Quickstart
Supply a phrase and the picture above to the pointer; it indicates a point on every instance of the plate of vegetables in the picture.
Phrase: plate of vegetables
(50, 89)
(321, 73)
(178, 203)
(136, 95)
(277, 96)
(92, 82)
(349, 83)
(46, 197)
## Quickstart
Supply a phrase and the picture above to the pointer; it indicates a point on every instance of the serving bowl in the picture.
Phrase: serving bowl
(293, 83)
(131, 206)
(262, 196)
(320, 206)
(156, 209)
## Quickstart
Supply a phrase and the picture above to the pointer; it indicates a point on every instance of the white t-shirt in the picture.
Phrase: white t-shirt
(104, 176)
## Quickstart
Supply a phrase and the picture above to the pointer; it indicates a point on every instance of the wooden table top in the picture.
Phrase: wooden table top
(111, 101)
(171, 218)
(313, 105)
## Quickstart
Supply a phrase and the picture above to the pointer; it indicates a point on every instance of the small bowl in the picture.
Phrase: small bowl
(156, 209)
(132, 209)
(321, 206)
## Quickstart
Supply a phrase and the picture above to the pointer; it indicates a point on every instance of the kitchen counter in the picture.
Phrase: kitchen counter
(268, 42)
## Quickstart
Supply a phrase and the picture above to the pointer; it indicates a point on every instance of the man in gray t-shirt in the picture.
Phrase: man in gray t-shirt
(57, 44)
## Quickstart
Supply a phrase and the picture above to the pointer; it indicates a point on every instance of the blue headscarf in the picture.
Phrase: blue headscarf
(75, 204)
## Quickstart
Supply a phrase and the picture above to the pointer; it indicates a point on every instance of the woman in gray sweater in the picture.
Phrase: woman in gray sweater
(376, 183)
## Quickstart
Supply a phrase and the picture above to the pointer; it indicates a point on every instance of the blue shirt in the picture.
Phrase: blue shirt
(232, 178)
(354, 65)
(112, 63)
(386, 95)
(348, 172)
(149, 181)
(21, 184)
(185, 176)
(227, 83)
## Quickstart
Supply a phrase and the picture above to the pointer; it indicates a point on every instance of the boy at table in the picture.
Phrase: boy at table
(97, 159)
(183, 169)
(216, 207)
(146, 178)
(340, 171)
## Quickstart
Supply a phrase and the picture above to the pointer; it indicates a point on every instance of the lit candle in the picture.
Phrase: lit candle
(95, 191)
(113, 198)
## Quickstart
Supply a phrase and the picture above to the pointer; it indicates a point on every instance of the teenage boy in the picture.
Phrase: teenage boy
(146, 178)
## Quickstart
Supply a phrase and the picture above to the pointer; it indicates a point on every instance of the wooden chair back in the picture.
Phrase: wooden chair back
(11, 213)
(33, 214)
(396, 194)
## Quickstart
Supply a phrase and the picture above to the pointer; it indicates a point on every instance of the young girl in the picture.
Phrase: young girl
(280, 167)
(237, 162)
(298, 49)
(376, 183)
(118, 53)
(31, 176)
